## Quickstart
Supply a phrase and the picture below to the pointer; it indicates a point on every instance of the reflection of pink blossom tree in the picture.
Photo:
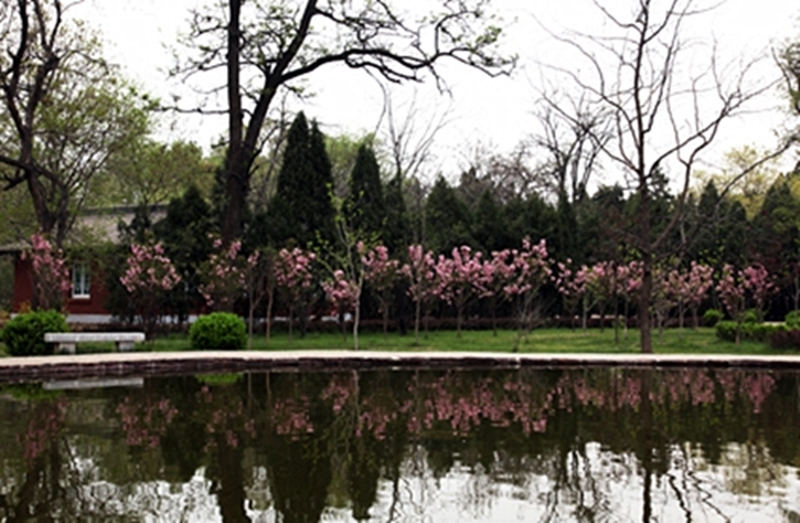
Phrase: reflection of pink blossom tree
(148, 276)
(460, 280)
(421, 274)
(293, 277)
(145, 420)
(50, 273)
(44, 425)
(381, 272)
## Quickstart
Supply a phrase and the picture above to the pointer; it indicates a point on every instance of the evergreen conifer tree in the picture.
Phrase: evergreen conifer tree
(366, 206)
(396, 233)
(302, 205)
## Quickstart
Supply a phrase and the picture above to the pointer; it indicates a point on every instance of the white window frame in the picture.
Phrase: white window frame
(81, 280)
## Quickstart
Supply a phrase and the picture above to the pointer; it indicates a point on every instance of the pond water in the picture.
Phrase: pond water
(606, 444)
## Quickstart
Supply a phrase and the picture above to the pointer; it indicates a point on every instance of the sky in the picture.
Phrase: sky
(482, 113)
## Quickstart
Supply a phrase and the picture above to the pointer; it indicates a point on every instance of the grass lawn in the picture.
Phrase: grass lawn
(702, 341)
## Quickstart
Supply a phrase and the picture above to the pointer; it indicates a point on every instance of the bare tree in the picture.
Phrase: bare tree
(573, 134)
(266, 46)
(409, 136)
(663, 112)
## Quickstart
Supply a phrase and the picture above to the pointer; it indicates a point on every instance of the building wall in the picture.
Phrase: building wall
(93, 306)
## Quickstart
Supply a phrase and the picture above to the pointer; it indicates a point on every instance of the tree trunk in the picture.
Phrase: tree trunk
(270, 301)
(645, 328)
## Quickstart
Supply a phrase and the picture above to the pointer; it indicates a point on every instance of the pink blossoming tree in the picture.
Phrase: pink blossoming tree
(51, 280)
(421, 274)
(531, 271)
(498, 274)
(381, 272)
(601, 285)
(758, 283)
(629, 279)
(148, 276)
(571, 285)
(259, 281)
(293, 277)
(690, 288)
(222, 276)
(460, 280)
(343, 294)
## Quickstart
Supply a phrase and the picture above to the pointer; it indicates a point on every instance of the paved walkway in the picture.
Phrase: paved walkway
(172, 363)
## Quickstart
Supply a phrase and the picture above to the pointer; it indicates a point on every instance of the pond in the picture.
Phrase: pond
(532, 444)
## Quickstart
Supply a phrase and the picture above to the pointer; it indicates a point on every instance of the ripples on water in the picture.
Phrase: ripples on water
(527, 445)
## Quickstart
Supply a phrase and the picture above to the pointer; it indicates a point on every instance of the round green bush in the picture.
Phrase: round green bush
(712, 316)
(24, 335)
(218, 331)
(751, 316)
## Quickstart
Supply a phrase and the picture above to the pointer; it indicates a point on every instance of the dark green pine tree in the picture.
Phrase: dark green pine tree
(490, 231)
(287, 206)
(448, 221)
(185, 232)
(319, 188)
(365, 205)
(396, 233)
(302, 206)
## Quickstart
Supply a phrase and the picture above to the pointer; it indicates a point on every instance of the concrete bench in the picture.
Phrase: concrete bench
(65, 341)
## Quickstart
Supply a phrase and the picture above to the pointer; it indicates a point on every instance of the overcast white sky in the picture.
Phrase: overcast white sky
(496, 113)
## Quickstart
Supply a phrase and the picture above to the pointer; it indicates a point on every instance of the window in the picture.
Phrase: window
(80, 280)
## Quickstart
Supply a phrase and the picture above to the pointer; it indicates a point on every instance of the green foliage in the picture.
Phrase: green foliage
(712, 317)
(751, 316)
(218, 331)
(749, 331)
(302, 204)
(397, 227)
(24, 335)
(792, 320)
(365, 205)
(186, 234)
(448, 221)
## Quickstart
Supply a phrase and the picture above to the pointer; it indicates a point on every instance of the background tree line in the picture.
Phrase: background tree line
(78, 135)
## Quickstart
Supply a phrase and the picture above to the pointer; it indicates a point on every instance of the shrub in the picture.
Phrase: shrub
(793, 320)
(726, 330)
(785, 339)
(712, 316)
(751, 316)
(24, 335)
(218, 331)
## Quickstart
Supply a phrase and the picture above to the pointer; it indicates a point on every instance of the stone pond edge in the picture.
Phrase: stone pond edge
(152, 364)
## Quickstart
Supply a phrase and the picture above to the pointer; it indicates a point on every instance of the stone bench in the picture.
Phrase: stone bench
(65, 341)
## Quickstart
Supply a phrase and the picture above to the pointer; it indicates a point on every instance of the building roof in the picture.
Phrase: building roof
(95, 226)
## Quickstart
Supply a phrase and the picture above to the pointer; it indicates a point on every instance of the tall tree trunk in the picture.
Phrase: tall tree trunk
(232, 175)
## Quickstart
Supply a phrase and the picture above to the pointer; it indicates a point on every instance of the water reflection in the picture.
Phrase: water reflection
(538, 445)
